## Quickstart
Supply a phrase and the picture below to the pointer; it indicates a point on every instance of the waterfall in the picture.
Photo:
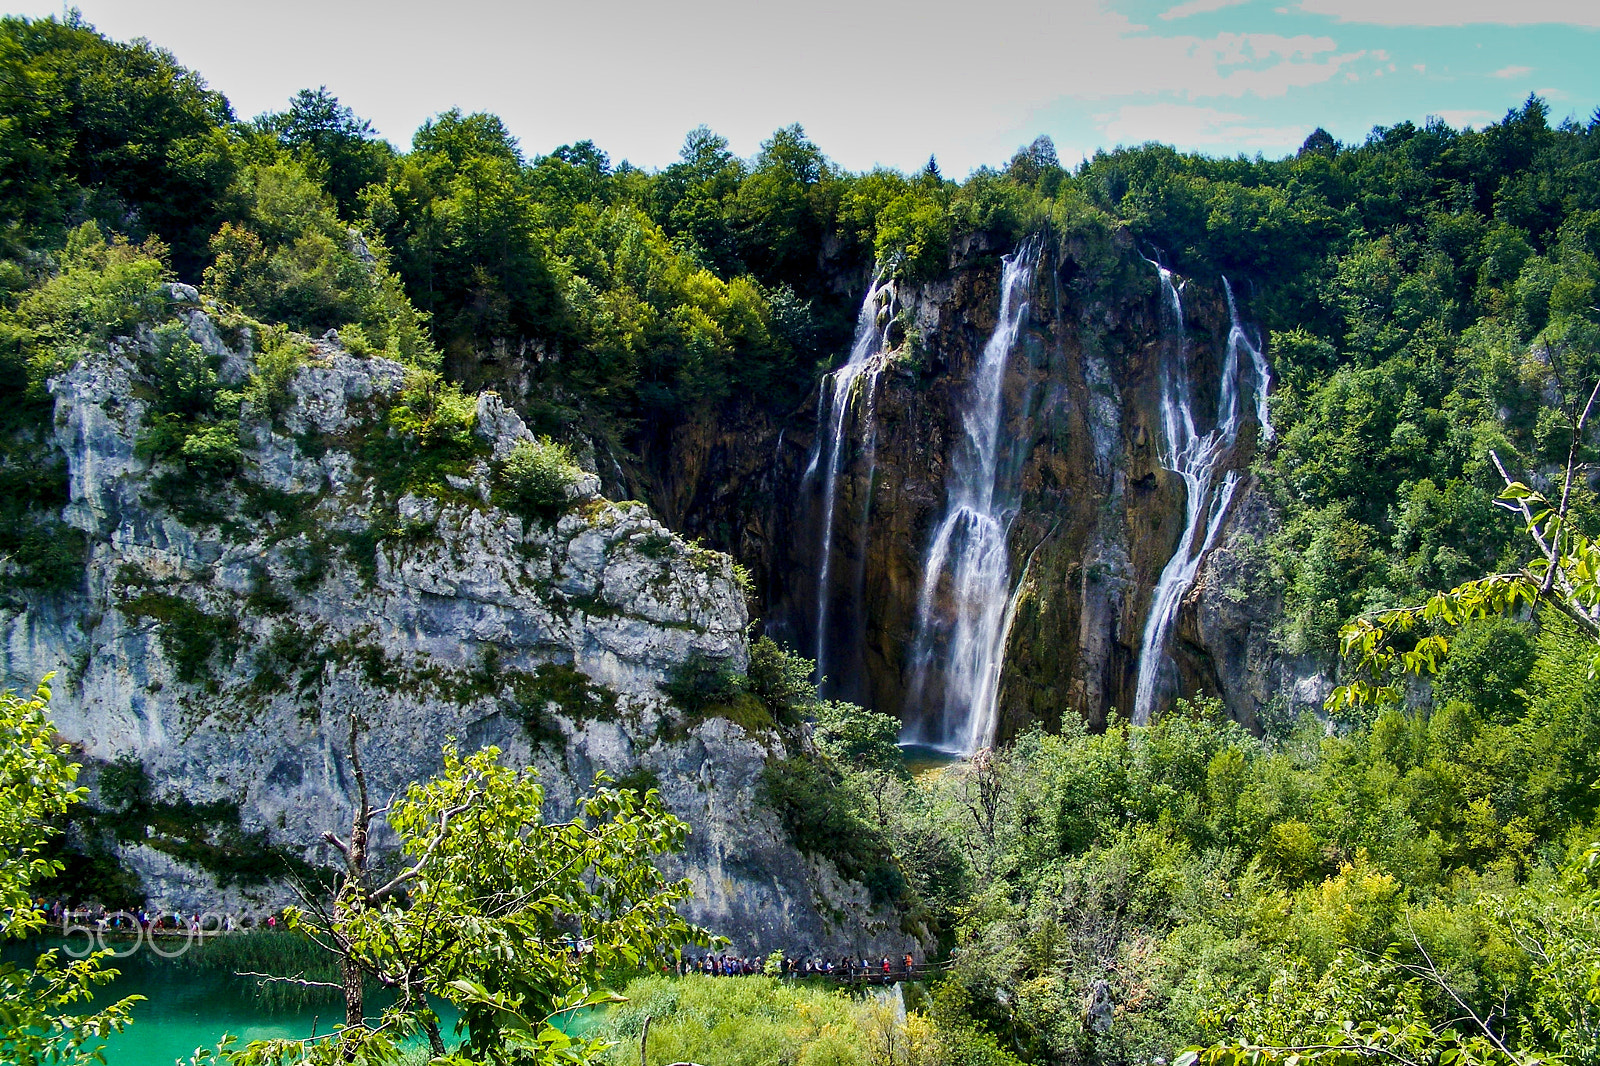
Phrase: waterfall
(1197, 459)
(857, 378)
(967, 569)
(1238, 338)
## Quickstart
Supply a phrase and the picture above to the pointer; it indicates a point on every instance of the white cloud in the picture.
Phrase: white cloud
(1194, 126)
(1512, 72)
(1199, 7)
(1458, 12)
(1239, 64)
(1461, 119)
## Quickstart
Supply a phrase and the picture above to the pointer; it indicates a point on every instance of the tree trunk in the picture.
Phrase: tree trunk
(352, 896)
(435, 1042)
(354, 1013)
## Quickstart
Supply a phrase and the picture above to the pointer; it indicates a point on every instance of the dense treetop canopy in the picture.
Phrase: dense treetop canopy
(1425, 293)
(1428, 294)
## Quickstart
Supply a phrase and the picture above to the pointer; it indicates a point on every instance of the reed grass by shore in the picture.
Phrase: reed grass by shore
(756, 1021)
(277, 952)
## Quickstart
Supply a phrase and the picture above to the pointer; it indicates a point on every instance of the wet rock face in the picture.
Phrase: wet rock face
(1098, 520)
(229, 656)
(1226, 644)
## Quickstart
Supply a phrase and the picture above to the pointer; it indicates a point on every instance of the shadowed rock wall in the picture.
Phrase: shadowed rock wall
(1099, 518)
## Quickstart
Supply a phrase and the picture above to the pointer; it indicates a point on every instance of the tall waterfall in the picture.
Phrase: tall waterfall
(1197, 458)
(856, 380)
(963, 607)
(1237, 337)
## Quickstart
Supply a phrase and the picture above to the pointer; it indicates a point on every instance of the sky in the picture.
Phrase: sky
(889, 82)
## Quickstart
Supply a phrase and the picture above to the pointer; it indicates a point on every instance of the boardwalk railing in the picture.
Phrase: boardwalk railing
(853, 976)
(878, 977)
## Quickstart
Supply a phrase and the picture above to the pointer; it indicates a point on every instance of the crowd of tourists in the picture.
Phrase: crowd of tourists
(97, 917)
(844, 968)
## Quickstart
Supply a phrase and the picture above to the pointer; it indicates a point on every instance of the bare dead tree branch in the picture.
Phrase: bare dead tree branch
(445, 817)
(1432, 973)
(297, 979)
(1522, 506)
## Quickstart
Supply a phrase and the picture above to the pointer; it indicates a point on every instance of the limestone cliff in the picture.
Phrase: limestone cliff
(223, 636)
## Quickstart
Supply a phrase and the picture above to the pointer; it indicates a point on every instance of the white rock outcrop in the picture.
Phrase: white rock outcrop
(228, 655)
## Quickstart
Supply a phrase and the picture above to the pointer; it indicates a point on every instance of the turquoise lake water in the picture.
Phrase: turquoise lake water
(188, 1007)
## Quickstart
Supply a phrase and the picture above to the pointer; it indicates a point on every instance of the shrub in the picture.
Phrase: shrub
(1292, 849)
(45, 552)
(750, 1020)
(823, 819)
(212, 452)
(433, 412)
(725, 1020)
(656, 546)
(640, 779)
(182, 425)
(1490, 660)
(105, 289)
(282, 354)
(781, 680)
(182, 375)
(535, 479)
(48, 554)
(425, 436)
(124, 783)
(855, 736)
(701, 682)
(189, 636)
(574, 694)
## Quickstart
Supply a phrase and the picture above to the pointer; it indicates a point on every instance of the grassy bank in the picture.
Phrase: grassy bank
(762, 1021)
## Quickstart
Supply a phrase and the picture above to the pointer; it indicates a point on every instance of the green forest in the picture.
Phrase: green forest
(1414, 880)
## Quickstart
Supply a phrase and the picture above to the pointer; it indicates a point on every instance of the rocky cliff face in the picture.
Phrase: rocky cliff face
(226, 648)
(1099, 515)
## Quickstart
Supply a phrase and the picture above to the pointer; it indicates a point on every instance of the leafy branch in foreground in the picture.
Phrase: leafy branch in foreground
(42, 1008)
(1564, 575)
(513, 920)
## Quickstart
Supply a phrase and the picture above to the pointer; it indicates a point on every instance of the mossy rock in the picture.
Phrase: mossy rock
(189, 636)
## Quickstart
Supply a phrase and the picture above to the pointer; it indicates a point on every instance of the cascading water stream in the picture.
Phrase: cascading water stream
(963, 604)
(838, 393)
(1197, 459)
(1237, 337)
